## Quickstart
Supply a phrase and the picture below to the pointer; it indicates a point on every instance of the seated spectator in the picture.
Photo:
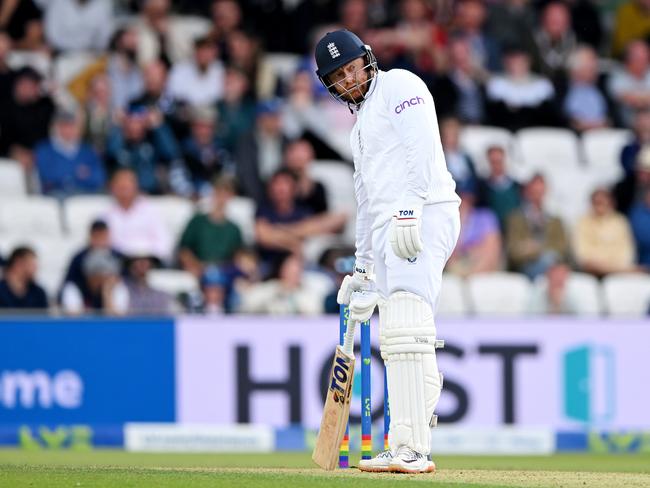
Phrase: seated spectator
(200, 81)
(281, 226)
(6, 71)
(135, 225)
(554, 297)
(142, 298)
(470, 23)
(243, 273)
(98, 112)
(585, 104)
(632, 22)
(205, 158)
(23, 22)
(603, 241)
(632, 188)
(245, 53)
(512, 22)
(459, 163)
(499, 192)
(479, 245)
(78, 25)
(285, 295)
(459, 92)
(214, 285)
(631, 150)
(18, 290)
(145, 145)
(554, 41)
(66, 165)
(236, 109)
(629, 85)
(103, 290)
(640, 222)
(155, 94)
(25, 120)
(535, 239)
(519, 98)
(211, 238)
(310, 194)
(98, 239)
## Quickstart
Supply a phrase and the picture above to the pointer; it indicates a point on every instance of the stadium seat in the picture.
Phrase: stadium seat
(28, 216)
(80, 211)
(602, 151)
(475, 139)
(12, 179)
(453, 300)
(172, 281)
(284, 64)
(584, 290)
(627, 294)
(568, 193)
(241, 210)
(336, 177)
(176, 212)
(548, 150)
(314, 247)
(318, 283)
(499, 294)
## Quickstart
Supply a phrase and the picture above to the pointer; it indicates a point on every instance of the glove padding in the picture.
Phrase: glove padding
(405, 232)
(361, 280)
(362, 305)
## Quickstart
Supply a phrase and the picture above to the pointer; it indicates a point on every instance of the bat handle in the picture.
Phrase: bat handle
(348, 341)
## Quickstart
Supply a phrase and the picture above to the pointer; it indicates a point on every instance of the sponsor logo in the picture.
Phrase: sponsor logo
(407, 103)
(406, 213)
(39, 389)
(334, 51)
(421, 340)
(340, 374)
(412, 260)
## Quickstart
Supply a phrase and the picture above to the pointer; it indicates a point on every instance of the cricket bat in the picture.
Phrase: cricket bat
(337, 404)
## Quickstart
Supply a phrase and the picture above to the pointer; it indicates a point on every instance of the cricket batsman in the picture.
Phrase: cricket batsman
(406, 229)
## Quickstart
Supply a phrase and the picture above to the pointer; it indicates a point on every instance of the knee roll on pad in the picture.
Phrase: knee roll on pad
(408, 345)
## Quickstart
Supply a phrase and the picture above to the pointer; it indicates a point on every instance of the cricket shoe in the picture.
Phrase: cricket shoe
(378, 464)
(406, 460)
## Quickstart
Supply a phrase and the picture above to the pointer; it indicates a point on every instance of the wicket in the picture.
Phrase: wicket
(366, 410)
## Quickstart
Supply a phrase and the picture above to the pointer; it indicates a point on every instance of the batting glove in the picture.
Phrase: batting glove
(361, 280)
(362, 305)
(405, 232)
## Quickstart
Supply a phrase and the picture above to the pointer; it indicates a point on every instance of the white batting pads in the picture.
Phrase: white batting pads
(408, 345)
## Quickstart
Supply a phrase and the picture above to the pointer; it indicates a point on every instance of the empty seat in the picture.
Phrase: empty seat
(172, 281)
(336, 177)
(176, 212)
(627, 294)
(27, 216)
(546, 150)
(241, 211)
(475, 140)
(499, 294)
(80, 211)
(12, 179)
(584, 290)
(602, 150)
(453, 301)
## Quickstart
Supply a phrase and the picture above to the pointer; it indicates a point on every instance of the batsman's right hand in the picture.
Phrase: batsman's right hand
(361, 280)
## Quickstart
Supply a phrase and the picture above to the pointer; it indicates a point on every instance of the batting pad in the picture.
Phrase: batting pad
(408, 344)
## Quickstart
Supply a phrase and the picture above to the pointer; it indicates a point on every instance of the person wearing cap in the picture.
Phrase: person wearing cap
(66, 165)
(214, 288)
(143, 299)
(406, 229)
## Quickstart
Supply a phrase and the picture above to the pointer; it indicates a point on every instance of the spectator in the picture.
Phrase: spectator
(155, 94)
(640, 222)
(18, 290)
(459, 163)
(211, 238)
(120, 65)
(205, 158)
(512, 22)
(553, 296)
(310, 194)
(66, 165)
(632, 188)
(226, 16)
(469, 22)
(236, 110)
(554, 41)
(535, 240)
(518, 98)
(200, 81)
(145, 144)
(104, 291)
(26, 118)
(98, 239)
(587, 23)
(459, 92)
(98, 112)
(259, 152)
(632, 22)
(214, 284)
(285, 295)
(585, 104)
(499, 191)
(281, 226)
(603, 241)
(78, 25)
(630, 85)
(479, 245)
(631, 150)
(6, 72)
(246, 55)
(23, 21)
(144, 300)
(134, 224)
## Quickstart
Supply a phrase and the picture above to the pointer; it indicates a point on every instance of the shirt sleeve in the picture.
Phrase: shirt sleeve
(411, 114)
(363, 232)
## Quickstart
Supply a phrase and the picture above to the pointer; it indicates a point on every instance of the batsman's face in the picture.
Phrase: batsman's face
(350, 80)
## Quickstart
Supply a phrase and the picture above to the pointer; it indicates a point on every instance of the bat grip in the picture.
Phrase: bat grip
(348, 340)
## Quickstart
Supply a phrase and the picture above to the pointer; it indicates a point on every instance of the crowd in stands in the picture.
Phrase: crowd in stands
(211, 101)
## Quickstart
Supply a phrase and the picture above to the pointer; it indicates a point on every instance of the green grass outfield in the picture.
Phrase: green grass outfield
(109, 468)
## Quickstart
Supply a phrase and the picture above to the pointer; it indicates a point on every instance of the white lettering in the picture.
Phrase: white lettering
(22, 389)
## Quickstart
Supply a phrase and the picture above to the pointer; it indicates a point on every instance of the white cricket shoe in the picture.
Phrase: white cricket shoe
(406, 460)
(378, 464)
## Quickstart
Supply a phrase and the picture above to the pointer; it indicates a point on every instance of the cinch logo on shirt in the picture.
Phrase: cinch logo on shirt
(408, 103)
